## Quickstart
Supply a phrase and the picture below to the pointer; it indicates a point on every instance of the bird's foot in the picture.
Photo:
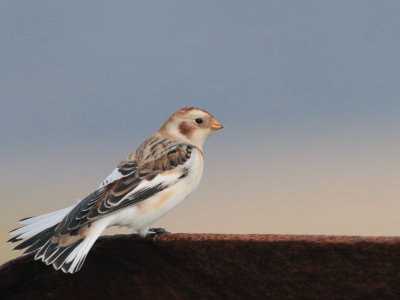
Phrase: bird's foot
(158, 231)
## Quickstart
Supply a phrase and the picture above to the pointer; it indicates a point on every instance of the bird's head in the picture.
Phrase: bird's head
(190, 125)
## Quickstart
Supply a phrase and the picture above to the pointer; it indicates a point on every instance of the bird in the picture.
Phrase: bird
(144, 186)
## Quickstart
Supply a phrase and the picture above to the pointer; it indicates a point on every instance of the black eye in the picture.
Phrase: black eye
(199, 120)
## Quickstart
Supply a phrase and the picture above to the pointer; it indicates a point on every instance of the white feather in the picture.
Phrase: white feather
(37, 224)
(114, 175)
(78, 255)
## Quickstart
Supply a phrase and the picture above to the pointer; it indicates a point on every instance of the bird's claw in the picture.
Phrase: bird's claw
(158, 231)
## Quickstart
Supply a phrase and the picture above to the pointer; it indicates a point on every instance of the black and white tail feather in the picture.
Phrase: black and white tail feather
(38, 233)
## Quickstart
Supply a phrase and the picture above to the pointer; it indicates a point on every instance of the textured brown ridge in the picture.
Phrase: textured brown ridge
(209, 266)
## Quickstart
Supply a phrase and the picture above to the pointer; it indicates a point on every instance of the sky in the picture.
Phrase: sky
(308, 94)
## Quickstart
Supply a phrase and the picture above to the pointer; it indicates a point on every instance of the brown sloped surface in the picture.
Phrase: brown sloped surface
(212, 266)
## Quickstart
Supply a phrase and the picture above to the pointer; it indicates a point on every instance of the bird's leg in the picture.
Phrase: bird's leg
(157, 231)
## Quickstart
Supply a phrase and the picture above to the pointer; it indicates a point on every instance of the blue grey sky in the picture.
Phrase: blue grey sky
(76, 70)
(304, 89)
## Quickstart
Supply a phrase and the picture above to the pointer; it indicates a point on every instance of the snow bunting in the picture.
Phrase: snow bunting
(151, 181)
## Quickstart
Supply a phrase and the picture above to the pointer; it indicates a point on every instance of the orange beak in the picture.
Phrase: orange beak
(215, 125)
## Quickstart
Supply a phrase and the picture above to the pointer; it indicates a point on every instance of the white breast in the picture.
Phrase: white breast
(140, 216)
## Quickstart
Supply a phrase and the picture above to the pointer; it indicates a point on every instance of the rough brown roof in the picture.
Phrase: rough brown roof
(208, 266)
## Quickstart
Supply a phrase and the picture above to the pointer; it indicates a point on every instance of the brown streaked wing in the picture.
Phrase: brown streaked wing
(159, 155)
